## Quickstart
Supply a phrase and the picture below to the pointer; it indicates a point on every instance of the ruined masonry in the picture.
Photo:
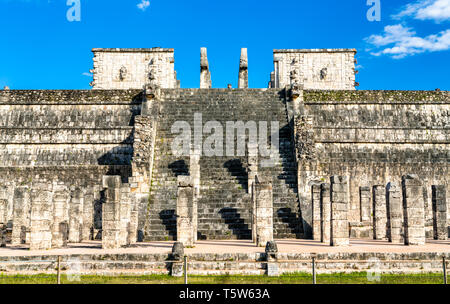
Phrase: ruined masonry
(325, 213)
(339, 211)
(186, 228)
(440, 212)
(263, 225)
(413, 210)
(396, 232)
(85, 165)
(379, 213)
(316, 209)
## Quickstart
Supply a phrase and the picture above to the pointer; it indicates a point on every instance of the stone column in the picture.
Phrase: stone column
(125, 214)
(99, 199)
(185, 198)
(194, 170)
(243, 70)
(88, 214)
(60, 226)
(21, 215)
(306, 158)
(111, 213)
(2, 235)
(142, 163)
(3, 211)
(379, 213)
(396, 213)
(264, 213)
(340, 197)
(316, 216)
(176, 257)
(440, 225)
(76, 215)
(133, 229)
(252, 165)
(413, 210)
(205, 75)
(325, 213)
(272, 259)
(41, 216)
(427, 200)
(365, 205)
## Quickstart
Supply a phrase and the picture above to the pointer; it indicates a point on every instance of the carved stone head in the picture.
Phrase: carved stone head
(323, 73)
(151, 75)
(294, 74)
(123, 73)
(177, 251)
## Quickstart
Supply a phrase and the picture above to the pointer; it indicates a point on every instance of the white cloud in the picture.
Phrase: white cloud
(437, 10)
(87, 74)
(399, 41)
(143, 5)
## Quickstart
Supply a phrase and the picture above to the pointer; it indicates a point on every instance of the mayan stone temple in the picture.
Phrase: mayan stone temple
(100, 165)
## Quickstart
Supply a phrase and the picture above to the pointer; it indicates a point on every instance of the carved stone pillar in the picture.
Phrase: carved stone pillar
(21, 215)
(243, 70)
(395, 213)
(264, 213)
(41, 216)
(325, 213)
(440, 226)
(205, 74)
(184, 212)
(379, 213)
(339, 211)
(413, 210)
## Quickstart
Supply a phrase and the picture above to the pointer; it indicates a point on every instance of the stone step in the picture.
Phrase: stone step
(224, 200)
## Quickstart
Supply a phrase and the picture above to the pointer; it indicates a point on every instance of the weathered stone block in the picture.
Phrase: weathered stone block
(413, 210)
(41, 216)
(205, 74)
(365, 204)
(76, 215)
(316, 213)
(185, 211)
(243, 70)
(396, 213)
(2, 235)
(264, 212)
(379, 213)
(325, 213)
(440, 223)
(339, 211)
(21, 216)
(116, 213)
(273, 270)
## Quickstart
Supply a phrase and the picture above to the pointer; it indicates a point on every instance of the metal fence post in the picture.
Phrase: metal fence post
(444, 266)
(314, 269)
(185, 270)
(58, 270)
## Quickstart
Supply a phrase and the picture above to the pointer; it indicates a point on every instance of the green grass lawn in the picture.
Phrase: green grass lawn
(298, 278)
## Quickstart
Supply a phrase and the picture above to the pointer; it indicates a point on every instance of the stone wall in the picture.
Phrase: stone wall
(322, 69)
(375, 137)
(72, 138)
(228, 263)
(54, 128)
(132, 68)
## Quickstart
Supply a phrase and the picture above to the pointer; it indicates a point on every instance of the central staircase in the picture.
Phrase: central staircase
(224, 206)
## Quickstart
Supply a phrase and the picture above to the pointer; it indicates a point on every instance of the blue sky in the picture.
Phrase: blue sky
(407, 50)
